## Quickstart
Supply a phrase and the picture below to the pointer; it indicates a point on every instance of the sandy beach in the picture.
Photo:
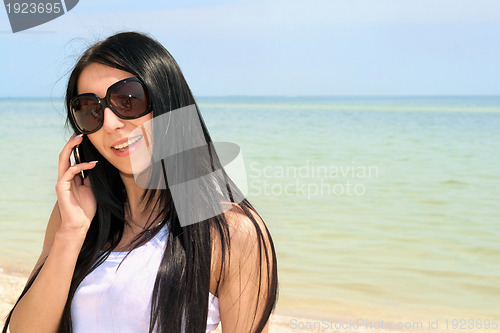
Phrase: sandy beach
(11, 285)
(10, 288)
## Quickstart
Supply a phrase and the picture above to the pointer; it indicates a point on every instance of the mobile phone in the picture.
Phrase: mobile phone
(78, 160)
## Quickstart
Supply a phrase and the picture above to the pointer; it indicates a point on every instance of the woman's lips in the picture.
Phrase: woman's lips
(127, 147)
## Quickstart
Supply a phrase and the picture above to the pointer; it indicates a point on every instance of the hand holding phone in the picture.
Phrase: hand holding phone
(75, 196)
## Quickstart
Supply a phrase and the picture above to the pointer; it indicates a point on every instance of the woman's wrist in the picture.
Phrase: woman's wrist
(70, 239)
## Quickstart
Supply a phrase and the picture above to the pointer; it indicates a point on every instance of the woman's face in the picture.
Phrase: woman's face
(112, 139)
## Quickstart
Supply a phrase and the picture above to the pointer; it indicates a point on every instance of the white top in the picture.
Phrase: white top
(116, 296)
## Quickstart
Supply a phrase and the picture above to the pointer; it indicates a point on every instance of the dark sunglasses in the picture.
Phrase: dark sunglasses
(128, 99)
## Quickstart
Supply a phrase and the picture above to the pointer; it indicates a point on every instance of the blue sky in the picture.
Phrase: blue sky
(278, 47)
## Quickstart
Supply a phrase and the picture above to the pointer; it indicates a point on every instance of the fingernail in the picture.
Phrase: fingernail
(95, 162)
(78, 136)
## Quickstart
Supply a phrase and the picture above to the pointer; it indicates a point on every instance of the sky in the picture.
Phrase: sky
(277, 47)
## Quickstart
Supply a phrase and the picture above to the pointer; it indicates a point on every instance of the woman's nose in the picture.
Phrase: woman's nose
(111, 121)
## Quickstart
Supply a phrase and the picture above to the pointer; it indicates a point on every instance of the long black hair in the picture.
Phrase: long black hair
(180, 295)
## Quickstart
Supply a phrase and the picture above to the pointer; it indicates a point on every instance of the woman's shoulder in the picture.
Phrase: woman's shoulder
(248, 270)
(244, 225)
(247, 237)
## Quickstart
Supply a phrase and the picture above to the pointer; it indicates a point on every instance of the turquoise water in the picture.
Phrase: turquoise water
(379, 207)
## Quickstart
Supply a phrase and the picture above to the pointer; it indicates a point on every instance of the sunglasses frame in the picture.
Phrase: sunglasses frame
(106, 103)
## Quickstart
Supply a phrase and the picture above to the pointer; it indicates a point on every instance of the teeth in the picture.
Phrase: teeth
(128, 143)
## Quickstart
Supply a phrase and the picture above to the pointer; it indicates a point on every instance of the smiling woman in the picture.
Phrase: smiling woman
(118, 257)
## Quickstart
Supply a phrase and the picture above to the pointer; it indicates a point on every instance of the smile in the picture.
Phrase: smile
(124, 146)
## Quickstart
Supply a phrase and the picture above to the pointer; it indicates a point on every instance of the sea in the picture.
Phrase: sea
(381, 208)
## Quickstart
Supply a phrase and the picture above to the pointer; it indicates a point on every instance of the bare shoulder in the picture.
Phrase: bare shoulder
(246, 290)
(241, 227)
(247, 238)
(250, 242)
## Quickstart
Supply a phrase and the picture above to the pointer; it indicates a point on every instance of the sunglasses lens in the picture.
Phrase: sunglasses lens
(129, 99)
(87, 112)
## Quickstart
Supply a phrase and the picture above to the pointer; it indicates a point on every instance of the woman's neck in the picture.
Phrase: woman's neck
(137, 211)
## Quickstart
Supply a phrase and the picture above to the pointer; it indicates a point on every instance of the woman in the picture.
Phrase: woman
(121, 254)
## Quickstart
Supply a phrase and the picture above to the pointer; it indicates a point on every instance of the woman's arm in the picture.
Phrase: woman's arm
(246, 270)
(40, 309)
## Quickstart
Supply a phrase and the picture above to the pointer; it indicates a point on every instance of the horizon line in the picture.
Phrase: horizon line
(288, 96)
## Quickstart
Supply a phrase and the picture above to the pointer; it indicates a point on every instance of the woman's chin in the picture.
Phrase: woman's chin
(144, 177)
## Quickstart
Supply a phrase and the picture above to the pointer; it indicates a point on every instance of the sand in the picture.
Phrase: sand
(10, 289)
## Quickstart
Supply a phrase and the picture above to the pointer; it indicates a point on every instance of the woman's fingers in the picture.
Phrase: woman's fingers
(74, 170)
(68, 181)
(64, 156)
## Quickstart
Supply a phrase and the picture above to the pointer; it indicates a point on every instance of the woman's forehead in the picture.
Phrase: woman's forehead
(96, 78)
